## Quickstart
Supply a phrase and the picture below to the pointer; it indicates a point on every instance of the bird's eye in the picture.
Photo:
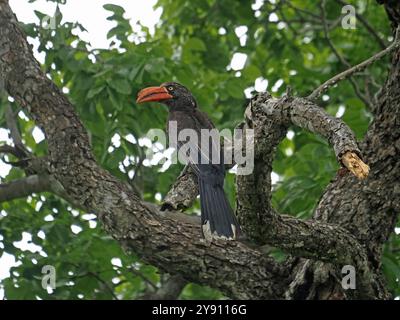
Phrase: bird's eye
(170, 88)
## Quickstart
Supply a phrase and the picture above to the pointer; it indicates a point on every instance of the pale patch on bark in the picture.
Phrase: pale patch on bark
(355, 165)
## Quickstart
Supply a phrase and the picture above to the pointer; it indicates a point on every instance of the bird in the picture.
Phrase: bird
(217, 217)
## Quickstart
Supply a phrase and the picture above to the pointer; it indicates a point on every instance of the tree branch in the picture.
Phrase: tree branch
(175, 246)
(183, 192)
(10, 150)
(143, 277)
(309, 116)
(359, 67)
(24, 187)
(14, 132)
(270, 119)
(104, 283)
(170, 289)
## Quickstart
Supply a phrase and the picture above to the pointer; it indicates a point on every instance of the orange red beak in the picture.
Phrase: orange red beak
(153, 94)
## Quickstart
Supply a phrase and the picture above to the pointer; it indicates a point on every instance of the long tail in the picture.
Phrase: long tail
(217, 218)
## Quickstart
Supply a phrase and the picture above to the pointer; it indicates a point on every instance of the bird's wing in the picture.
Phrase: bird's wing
(199, 156)
(201, 160)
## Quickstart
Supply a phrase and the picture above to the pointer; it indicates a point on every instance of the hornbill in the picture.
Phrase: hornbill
(217, 218)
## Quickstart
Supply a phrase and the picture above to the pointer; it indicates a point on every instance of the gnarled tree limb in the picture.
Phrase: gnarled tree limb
(168, 242)
(173, 246)
(270, 118)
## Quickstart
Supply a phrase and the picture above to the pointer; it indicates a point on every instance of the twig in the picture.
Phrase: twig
(14, 131)
(144, 278)
(300, 10)
(10, 150)
(357, 68)
(96, 275)
(289, 24)
(170, 289)
(105, 284)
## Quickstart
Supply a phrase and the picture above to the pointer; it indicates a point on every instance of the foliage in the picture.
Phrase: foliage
(194, 45)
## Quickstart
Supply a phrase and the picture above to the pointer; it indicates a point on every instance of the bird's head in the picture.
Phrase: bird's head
(172, 94)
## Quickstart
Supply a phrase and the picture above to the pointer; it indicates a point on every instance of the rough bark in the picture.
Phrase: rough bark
(175, 246)
(24, 187)
(183, 192)
(351, 223)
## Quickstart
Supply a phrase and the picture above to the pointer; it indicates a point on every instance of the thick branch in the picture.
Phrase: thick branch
(309, 116)
(24, 187)
(270, 119)
(174, 246)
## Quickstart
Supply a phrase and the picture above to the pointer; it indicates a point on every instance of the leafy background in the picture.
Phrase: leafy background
(193, 43)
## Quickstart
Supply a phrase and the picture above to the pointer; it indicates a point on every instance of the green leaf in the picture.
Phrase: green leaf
(251, 72)
(234, 88)
(118, 10)
(195, 44)
(120, 85)
(94, 92)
